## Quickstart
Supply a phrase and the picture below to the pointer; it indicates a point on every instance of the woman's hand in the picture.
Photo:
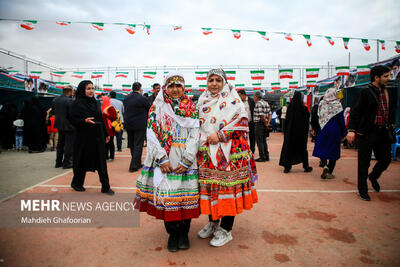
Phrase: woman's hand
(107, 139)
(180, 169)
(213, 139)
(90, 120)
(166, 167)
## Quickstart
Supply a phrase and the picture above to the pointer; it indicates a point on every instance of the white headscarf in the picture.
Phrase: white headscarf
(222, 111)
(328, 107)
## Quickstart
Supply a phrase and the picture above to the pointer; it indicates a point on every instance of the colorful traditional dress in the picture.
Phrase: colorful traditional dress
(172, 135)
(227, 170)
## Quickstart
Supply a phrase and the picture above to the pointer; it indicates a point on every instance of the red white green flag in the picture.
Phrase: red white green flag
(98, 26)
(202, 87)
(97, 74)
(126, 87)
(59, 74)
(35, 74)
(201, 75)
(366, 45)
(293, 85)
(286, 73)
(165, 74)
(98, 92)
(188, 88)
(149, 74)
(239, 86)
(312, 73)
(121, 74)
(308, 39)
(288, 36)
(363, 70)
(257, 74)
(264, 35)
(28, 24)
(107, 87)
(131, 28)
(207, 31)
(63, 23)
(342, 71)
(147, 27)
(256, 86)
(283, 90)
(230, 75)
(13, 72)
(383, 46)
(61, 85)
(78, 74)
(270, 92)
(236, 34)
(311, 84)
(346, 43)
(177, 28)
(330, 40)
(397, 47)
(275, 86)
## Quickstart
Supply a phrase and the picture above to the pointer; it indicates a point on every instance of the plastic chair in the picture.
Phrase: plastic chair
(396, 145)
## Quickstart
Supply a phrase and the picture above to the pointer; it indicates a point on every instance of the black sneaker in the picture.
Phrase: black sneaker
(260, 160)
(375, 184)
(183, 241)
(110, 192)
(173, 243)
(78, 188)
(364, 196)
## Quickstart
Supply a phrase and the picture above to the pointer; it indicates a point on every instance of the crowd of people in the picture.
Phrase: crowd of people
(200, 156)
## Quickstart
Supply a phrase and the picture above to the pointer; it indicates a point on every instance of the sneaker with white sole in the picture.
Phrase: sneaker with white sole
(325, 171)
(221, 237)
(208, 230)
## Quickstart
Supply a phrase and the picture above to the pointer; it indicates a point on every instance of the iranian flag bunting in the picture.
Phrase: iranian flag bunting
(275, 86)
(230, 75)
(308, 39)
(121, 74)
(293, 85)
(256, 86)
(126, 87)
(147, 27)
(165, 74)
(236, 34)
(63, 23)
(98, 92)
(397, 47)
(78, 74)
(107, 87)
(149, 74)
(363, 70)
(366, 45)
(35, 74)
(286, 74)
(270, 92)
(239, 86)
(283, 90)
(264, 35)
(311, 84)
(177, 28)
(97, 74)
(257, 74)
(57, 73)
(202, 87)
(383, 46)
(342, 71)
(188, 88)
(207, 31)
(28, 24)
(13, 72)
(330, 40)
(346, 43)
(288, 36)
(201, 75)
(312, 73)
(131, 28)
(98, 26)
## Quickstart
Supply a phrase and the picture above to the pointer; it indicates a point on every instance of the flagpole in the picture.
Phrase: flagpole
(377, 51)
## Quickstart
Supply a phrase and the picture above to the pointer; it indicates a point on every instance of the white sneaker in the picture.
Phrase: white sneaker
(208, 230)
(221, 237)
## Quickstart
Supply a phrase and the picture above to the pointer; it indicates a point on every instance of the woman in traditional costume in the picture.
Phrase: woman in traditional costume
(227, 170)
(168, 185)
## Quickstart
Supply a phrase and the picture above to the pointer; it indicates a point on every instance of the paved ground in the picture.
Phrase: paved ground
(299, 221)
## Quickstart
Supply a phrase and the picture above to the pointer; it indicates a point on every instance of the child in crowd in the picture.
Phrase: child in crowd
(19, 132)
(53, 132)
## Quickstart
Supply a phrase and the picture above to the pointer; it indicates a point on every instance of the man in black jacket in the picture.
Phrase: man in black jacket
(136, 111)
(368, 121)
(61, 108)
(249, 104)
(156, 90)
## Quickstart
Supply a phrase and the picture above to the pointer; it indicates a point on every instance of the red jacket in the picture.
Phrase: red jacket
(50, 126)
(109, 115)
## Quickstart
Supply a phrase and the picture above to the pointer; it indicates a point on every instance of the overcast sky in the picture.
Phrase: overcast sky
(80, 45)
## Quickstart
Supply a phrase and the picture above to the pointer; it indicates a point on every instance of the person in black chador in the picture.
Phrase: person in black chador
(35, 129)
(8, 114)
(294, 149)
(89, 151)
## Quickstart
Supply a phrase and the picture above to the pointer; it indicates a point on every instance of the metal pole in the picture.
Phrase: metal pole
(377, 50)
(329, 74)
(349, 59)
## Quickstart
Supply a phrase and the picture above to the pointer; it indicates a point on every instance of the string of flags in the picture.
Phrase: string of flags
(237, 33)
